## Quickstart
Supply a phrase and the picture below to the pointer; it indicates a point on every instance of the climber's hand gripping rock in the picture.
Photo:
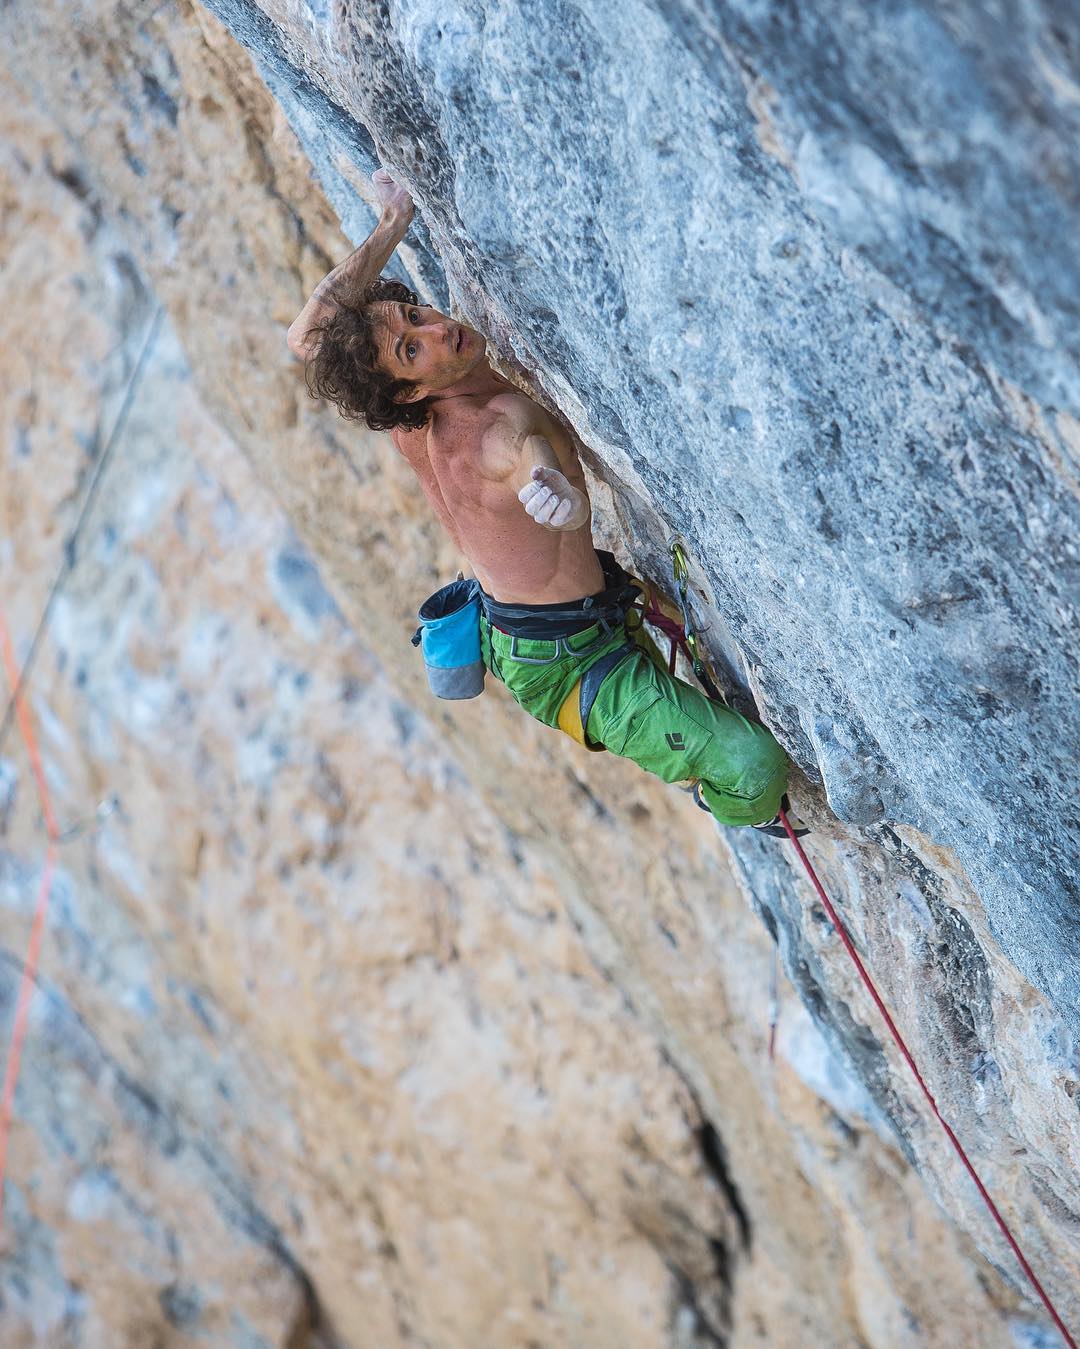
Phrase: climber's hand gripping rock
(394, 200)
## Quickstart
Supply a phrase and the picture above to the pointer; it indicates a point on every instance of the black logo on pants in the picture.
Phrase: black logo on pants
(675, 740)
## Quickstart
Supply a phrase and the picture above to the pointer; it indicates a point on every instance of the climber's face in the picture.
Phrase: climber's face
(418, 343)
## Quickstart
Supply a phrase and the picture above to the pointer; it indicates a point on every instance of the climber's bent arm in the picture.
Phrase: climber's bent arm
(348, 281)
(514, 451)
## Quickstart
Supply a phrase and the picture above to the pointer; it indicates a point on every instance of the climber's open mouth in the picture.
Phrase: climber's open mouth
(459, 340)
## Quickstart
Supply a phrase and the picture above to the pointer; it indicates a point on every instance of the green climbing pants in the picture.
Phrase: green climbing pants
(645, 714)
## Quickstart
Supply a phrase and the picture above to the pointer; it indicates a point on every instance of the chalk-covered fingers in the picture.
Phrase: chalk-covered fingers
(393, 198)
(545, 507)
(548, 497)
(541, 503)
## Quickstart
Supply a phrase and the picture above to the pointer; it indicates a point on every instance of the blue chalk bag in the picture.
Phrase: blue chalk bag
(449, 635)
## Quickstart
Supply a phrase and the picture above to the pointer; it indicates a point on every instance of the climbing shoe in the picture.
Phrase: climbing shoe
(774, 828)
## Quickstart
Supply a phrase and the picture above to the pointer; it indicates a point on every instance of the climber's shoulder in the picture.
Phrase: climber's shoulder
(512, 417)
(502, 415)
(511, 403)
(409, 441)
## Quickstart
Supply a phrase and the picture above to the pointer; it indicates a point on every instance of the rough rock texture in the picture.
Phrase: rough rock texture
(278, 1022)
(322, 1000)
(828, 334)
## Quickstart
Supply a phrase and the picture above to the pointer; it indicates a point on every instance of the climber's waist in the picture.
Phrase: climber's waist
(550, 621)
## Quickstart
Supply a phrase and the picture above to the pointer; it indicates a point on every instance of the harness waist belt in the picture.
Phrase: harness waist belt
(548, 622)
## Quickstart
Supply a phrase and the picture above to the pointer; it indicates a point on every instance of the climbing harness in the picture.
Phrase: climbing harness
(549, 622)
(557, 623)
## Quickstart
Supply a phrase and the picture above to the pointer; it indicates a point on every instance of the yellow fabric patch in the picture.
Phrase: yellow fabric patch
(570, 719)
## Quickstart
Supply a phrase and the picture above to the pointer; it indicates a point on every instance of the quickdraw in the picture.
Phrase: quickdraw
(681, 572)
(653, 610)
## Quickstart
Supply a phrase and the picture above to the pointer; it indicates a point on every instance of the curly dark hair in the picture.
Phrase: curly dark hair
(343, 366)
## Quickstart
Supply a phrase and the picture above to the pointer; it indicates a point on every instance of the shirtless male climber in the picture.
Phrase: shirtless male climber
(504, 478)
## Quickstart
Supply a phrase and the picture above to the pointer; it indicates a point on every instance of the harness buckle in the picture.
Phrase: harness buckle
(561, 649)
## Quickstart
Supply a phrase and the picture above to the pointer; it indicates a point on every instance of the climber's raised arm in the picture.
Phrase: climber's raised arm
(349, 280)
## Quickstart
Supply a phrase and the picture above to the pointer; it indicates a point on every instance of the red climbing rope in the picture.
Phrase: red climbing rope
(838, 924)
(26, 986)
(681, 639)
(675, 632)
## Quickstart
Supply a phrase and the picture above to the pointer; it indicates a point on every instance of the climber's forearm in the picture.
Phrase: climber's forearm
(349, 280)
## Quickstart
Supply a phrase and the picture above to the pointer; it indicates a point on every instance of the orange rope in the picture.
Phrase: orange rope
(37, 930)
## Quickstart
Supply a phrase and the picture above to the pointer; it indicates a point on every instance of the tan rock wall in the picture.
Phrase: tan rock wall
(318, 965)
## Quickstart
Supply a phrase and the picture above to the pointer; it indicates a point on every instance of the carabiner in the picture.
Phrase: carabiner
(679, 568)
